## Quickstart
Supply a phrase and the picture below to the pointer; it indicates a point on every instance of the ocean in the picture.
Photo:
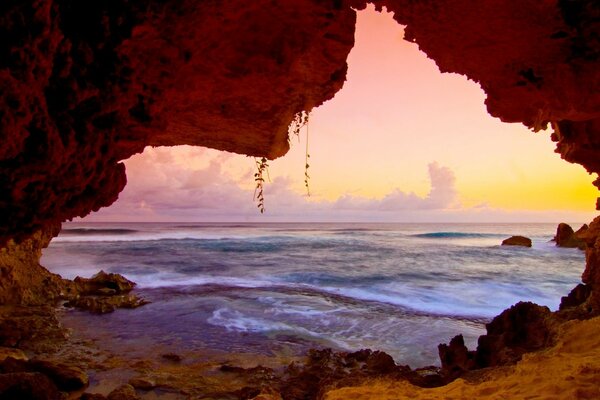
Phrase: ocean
(283, 288)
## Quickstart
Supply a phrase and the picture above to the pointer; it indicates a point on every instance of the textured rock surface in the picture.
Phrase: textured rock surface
(591, 275)
(517, 241)
(85, 86)
(22, 279)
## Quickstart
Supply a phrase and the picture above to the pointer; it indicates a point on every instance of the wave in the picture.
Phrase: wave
(97, 231)
(456, 235)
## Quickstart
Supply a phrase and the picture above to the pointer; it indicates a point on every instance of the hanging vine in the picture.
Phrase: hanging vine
(262, 167)
(307, 156)
(300, 119)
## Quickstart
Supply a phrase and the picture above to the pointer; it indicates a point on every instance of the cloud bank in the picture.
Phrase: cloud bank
(194, 184)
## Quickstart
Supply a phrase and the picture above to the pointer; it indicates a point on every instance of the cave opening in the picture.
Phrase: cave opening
(331, 271)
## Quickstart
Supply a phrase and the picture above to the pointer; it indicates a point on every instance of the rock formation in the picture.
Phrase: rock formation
(566, 237)
(517, 241)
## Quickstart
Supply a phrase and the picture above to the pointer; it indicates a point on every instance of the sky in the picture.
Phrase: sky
(401, 142)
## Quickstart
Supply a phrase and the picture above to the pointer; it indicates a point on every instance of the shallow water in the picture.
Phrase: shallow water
(268, 288)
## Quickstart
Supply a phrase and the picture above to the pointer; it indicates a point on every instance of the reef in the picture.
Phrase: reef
(84, 86)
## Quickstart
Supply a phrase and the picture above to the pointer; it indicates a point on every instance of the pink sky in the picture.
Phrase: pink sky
(400, 142)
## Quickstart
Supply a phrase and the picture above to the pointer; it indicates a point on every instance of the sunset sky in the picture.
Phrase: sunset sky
(400, 142)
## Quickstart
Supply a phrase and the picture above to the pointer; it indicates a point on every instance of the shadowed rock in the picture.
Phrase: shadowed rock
(566, 237)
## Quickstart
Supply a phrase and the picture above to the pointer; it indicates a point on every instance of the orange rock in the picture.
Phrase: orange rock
(517, 241)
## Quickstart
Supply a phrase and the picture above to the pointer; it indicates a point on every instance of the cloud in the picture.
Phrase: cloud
(188, 184)
(441, 196)
(195, 184)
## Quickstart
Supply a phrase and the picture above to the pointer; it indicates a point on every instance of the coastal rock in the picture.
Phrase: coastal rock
(566, 237)
(28, 385)
(104, 284)
(456, 359)
(31, 328)
(576, 297)
(23, 281)
(106, 304)
(66, 377)
(591, 274)
(522, 328)
(324, 369)
(517, 241)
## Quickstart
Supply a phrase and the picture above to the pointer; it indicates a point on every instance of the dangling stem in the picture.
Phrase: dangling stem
(306, 165)
(261, 167)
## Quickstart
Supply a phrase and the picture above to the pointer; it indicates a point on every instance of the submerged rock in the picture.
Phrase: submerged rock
(106, 304)
(566, 237)
(103, 293)
(517, 241)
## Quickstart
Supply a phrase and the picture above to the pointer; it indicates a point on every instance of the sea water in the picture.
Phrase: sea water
(268, 288)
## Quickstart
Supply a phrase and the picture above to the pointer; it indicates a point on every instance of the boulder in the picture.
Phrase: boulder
(566, 237)
(517, 241)
(104, 284)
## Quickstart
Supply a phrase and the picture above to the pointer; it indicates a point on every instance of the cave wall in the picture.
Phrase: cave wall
(85, 85)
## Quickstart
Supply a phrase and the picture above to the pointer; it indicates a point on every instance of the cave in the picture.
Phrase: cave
(85, 87)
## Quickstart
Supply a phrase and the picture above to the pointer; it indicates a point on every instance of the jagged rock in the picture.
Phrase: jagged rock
(104, 284)
(125, 392)
(576, 297)
(106, 304)
(23, 281)
(66, 377)
(566, 237)
(517, 241)
(456, 359)
(591, 275)
(522, 328)
(28, 385)
(324, 369)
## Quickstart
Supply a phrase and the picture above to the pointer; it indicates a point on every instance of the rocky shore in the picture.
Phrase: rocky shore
(41, 358)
